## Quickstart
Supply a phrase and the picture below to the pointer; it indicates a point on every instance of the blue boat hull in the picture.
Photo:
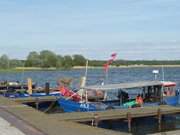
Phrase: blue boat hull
(172, 100)
(72, 106)
(41, 106)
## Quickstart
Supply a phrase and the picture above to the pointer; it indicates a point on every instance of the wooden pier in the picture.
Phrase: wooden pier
(30, 121)
(118, 113)
(35, 99)
(128, 114)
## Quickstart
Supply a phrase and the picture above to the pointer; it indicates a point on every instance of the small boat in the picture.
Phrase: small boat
(73, 102)
(123, 95)
(12, 85)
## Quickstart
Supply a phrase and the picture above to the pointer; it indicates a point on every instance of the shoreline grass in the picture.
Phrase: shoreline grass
(22, 69)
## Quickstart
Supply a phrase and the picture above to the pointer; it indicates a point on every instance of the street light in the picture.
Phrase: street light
(155, 72)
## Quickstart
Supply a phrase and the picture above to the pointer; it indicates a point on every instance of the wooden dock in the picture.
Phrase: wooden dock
(31, 121)
(175, 132)
(118, 113)
(129, 114)
(35, 99)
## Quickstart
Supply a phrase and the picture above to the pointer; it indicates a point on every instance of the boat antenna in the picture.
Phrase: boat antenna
(162, 68)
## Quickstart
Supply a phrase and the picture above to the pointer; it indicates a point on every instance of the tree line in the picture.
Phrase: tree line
(48, 59)
(43, 59)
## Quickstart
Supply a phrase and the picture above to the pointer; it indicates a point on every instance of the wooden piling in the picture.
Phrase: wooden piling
(129, 121)
(159, 119)
(96, 120)
(29, 81)
(47, 86)
(37, 103)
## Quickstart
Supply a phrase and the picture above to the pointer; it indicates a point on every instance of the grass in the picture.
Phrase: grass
(22, 69)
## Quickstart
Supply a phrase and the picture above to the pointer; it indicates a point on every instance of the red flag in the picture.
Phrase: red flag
(113, 56)
(106, 65)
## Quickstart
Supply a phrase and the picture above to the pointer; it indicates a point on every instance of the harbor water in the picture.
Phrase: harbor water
(115, 75)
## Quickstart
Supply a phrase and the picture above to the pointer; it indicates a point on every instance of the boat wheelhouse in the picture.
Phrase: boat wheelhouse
(152, 92)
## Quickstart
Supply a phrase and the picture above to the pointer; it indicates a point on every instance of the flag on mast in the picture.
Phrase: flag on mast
(112, 58)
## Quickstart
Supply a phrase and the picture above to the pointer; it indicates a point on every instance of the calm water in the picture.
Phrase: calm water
(96, 76)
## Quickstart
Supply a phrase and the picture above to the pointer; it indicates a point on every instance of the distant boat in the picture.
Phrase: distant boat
(12, 85)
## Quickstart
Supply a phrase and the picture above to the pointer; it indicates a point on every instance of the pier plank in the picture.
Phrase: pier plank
(35, 99)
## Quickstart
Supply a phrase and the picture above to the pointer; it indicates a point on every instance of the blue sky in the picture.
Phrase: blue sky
(135, 29)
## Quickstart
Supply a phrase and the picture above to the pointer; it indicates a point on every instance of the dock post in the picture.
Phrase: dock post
(159, 119)
(129, 121)
(29, 81)
(47, 85)
(37, 103)
(95, 121)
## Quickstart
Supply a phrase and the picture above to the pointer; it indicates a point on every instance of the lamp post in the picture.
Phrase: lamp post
(155, 72)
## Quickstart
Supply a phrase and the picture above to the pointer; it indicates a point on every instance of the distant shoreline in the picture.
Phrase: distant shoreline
(92, 67)
(129, 66)
(20, 69)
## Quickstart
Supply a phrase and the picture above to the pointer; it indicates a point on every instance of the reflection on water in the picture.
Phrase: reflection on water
(142, 126)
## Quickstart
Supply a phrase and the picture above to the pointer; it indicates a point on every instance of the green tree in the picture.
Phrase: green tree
(79, 60)
(4, 62)
(16, 63)
(49, 59)
(33, 60)
(68, 62)
(59, 62)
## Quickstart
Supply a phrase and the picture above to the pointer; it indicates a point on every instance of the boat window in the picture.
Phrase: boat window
(169, 91)
(112, 95)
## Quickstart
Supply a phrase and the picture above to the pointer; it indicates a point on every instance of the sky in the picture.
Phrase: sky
(134, 29)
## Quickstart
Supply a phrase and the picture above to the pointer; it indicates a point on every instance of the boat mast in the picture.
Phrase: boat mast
(162, 73)
(86, 68)
(85, 78)
(83, 82)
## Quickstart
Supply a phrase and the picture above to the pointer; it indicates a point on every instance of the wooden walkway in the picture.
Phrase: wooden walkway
(128, 114)
(175, 132)
(35, 99)
(118, 114)
(31, 121)
(65, 123)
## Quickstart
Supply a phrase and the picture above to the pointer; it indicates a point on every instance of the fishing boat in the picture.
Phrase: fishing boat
(123, 95)
(74, 102)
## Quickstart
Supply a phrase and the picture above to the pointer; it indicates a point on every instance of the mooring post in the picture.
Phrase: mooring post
(47, 86)
(96, 120)
(129, 121)
(159, 119)
(37, 103)
(29, 82)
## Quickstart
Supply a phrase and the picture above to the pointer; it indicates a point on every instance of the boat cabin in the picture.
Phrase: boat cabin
(169, 88)
(119, 94)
